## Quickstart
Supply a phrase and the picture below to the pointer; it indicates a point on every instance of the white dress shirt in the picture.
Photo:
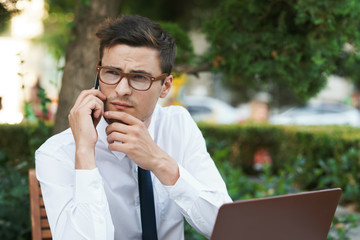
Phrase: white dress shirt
(103, 203)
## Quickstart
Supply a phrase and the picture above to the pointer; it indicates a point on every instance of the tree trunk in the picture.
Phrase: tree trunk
(82, 54)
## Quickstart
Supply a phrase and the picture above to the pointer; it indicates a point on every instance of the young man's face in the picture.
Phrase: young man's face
(122, 97)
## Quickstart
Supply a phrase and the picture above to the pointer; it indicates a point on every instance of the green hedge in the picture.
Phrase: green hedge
(284, 143)
(19, 142)
(17, 147)
(323, 156)
(317, 156)
(303, 158)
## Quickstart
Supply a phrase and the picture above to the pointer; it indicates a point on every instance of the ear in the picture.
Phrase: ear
(166, 86)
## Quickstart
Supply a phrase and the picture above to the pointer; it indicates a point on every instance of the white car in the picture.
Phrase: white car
(211, 110)
(319, 114)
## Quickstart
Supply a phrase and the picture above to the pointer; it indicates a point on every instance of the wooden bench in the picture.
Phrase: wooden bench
(39, 223)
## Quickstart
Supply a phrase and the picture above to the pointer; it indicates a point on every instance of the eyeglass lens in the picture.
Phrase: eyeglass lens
(136, 80)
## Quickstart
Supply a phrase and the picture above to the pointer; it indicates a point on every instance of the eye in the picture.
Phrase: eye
(109, 72)
(139, 77)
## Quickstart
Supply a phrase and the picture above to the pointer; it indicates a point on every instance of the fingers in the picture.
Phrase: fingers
(85, 115)
(91, 92)
(117, 127)
(125, 124)
(122, 117)
(120, 142)
(89, 102)
(126, 133)
(91, 108)
(114, 137)
(95, 105)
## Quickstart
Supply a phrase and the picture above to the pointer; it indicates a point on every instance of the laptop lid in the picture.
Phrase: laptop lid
(297, 216)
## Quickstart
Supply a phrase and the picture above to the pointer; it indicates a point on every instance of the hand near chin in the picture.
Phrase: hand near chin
(133, 138)
(83, 118)
(130, 135)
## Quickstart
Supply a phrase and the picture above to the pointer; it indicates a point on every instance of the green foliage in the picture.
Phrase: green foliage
(15, 144)
(341, 171)
(14, 164)
(60, 21)
(269, 183)
(60, 6)
(341, 226)
(57, 32)
(4, 17)
(189, 14)
(332, 160)
(261, 44)
(185, 50)
(44, 101)
(303, 158)
(21, 141)
(7, 10)
(348, 66)
(14, 201)
(241, 185)
(318, 157)
(157, 10)
(58, 24)
(28, 136)
(29, 114)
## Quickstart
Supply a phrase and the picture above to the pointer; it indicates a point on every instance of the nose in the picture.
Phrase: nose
(123, 88)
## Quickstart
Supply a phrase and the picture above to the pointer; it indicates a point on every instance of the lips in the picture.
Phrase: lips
(121, 105)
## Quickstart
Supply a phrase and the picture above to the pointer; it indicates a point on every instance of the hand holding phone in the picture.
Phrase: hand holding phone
(83, 118)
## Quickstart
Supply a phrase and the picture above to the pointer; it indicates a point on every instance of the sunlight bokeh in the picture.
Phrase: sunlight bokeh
(16, 57)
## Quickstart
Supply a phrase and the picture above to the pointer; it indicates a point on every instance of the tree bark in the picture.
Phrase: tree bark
(82, 54)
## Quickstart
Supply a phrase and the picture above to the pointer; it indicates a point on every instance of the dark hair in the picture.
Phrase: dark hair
(137, 31)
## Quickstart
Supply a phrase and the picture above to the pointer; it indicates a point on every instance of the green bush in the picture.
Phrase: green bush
(20, 141)
(17, 147)
(284, 143)
(14, 202)
(321, 157)
(303, 158)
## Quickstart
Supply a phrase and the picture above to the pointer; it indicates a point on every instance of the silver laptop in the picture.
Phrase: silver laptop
(300, 216)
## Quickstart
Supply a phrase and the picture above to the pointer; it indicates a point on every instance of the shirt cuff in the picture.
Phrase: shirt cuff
(186, 190)
(88, 186)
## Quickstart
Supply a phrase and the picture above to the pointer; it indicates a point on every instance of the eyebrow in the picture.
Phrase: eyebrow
(132, 71)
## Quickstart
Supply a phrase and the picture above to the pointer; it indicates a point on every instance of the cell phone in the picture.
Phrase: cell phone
(97, 82)
(96, 87)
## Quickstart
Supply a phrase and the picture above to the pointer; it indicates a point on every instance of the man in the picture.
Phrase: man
(89, 173)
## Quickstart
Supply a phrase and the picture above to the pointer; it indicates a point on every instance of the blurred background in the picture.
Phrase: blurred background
(274, 86)
(280, 64)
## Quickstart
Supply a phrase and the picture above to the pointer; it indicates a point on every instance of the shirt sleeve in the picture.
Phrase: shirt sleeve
(75, 200)
(198, 203)
(200, 190)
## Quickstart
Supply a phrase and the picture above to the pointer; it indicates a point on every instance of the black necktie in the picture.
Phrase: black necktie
(147, 209)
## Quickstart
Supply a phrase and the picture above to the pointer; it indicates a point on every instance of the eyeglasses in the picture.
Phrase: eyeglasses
(138, 81)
